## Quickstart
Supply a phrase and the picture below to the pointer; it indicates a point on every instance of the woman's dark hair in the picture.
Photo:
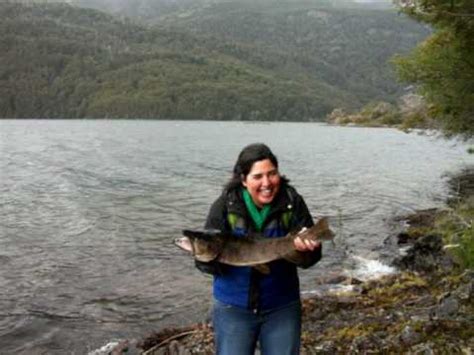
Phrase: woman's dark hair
(247, 157)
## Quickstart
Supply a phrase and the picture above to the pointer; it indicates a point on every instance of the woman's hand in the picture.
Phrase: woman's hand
(306, 245)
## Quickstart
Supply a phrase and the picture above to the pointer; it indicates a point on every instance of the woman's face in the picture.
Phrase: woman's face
(262, 182)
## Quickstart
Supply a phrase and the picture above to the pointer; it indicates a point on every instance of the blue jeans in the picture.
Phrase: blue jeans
(237, 330)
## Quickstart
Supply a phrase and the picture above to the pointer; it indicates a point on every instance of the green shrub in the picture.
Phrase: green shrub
(465, 252)
(458, 230)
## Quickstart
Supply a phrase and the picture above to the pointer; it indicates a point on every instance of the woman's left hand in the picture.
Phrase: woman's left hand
(306, 245)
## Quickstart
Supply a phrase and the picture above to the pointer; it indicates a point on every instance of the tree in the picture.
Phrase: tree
(442, 66)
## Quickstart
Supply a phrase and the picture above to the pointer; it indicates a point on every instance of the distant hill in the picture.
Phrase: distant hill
(219, 61)
(151, 11)
(347, 48)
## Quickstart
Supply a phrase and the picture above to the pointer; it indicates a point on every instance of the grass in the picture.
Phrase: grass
(457, 229)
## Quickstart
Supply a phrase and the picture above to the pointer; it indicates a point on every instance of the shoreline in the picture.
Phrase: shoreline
(426, 306)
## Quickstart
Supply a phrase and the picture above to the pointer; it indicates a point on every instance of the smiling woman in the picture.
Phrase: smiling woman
(250, 306)
(262, 182)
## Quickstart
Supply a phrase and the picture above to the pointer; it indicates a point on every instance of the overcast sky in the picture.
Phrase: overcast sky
(381, 1)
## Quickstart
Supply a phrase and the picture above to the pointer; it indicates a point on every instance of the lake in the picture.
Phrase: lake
(89, 209)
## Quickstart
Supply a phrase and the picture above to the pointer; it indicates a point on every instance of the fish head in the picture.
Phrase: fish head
(203, 246)
(185, 244)
(205, 251)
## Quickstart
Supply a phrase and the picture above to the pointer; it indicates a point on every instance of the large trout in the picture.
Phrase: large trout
(249, 251)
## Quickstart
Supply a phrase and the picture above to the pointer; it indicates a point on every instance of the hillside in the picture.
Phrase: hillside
(152, 11)
(62, 61)
(347, 48)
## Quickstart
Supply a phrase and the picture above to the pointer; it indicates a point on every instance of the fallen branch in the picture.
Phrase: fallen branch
(168, 340)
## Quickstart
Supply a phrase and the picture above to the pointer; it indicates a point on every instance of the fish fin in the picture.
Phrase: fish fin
(206, 234)
(293, 257)
(262, 268)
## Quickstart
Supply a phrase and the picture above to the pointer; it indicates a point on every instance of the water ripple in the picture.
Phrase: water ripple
(89, 209)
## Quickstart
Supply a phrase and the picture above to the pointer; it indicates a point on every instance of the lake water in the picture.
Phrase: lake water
(89, 209)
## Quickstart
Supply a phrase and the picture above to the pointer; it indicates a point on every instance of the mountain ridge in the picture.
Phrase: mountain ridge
(171, 70)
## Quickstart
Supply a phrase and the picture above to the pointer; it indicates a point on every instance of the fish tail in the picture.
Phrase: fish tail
(320, 231)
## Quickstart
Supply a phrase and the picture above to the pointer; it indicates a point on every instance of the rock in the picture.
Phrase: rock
(337, 116)
(426, 255)
(331, 279)
(176, 348)
(422, 349)
(326, 347)
(423, 218)
(465, 292)
(467, 276)
(358, 344)
(430, 243)
(403, 238)
(367, 344)
(109, 348)
(409, 337)
(354, 281)
(121, 348)
(173, 348)
(411, 103)
(448, 307)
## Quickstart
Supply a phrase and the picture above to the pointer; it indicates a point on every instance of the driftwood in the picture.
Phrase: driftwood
(168, 340)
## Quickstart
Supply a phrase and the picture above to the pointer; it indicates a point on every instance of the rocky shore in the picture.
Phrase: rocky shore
(426, 308)
(410, 112)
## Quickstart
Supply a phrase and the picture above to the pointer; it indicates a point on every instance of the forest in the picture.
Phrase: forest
(442, 66)
(225, 61)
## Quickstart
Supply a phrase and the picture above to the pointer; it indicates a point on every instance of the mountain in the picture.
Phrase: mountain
(347, 48)
(151, 11)
(270, 61)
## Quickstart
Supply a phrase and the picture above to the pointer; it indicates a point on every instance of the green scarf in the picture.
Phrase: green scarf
(258, 215)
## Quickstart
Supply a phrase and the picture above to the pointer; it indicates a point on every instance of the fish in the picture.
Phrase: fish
(207, 246)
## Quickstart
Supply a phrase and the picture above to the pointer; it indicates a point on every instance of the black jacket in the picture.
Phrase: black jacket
(232, 201)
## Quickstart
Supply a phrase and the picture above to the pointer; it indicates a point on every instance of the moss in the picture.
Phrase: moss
(350, 332)
(443, 331)
(453, 280)
(405, 282)
(417, 232)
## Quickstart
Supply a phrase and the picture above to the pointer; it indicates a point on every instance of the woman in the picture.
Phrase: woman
(250, 306)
